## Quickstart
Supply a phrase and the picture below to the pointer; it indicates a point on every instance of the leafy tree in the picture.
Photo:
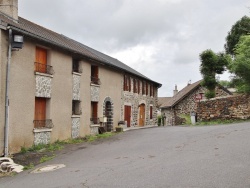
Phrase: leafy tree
(228, 84)
(241, 27)
(212, 64)
(240, 66)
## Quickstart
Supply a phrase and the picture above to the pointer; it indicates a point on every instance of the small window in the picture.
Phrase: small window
(76, 66)
(127, 83)
(143, 87)
(138, 82)
(76, 107)
(135, 85)
(151, 112)
(146, 88)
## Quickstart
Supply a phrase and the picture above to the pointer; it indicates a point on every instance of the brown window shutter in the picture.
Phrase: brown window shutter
(129, 83)
(124, 83)
(138, 87)
(151, 112)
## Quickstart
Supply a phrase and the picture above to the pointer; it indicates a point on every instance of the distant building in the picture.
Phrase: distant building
(184, 101)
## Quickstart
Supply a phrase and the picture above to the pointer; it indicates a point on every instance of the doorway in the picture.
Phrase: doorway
(141, 115)
(127, 114)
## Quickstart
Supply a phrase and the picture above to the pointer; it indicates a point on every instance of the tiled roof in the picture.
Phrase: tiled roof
(180, 95)
(163, 100)
(33, 30)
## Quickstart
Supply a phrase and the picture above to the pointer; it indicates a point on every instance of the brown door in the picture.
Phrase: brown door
(127, 114)
(142, 115)
(41, 60)
(40, 111)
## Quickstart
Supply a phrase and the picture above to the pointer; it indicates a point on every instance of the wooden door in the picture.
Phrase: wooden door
(127, 114)
(40, 111)
(142, 115)
(41, 60)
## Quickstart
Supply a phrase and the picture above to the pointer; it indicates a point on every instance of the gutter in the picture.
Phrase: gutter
(6, 126)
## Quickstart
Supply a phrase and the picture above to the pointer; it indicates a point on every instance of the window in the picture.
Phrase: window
(94, 75)
(138, 82)
(76, 107)
(135, 85)
(94, 113)
(151, 112)
(40, 120)
(127, 83)
(143, 87)
(146, 88)
(76, 66)
(41, 62)
(152, 90)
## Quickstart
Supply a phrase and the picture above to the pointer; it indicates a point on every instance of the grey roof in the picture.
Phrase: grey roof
(35, 31)
(172, 101)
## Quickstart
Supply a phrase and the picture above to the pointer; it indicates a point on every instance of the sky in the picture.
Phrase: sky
(161, 39)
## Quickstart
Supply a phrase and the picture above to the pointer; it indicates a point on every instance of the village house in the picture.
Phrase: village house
(55, 88)
(185, 101)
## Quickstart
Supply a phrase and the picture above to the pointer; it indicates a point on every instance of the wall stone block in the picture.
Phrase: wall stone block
(94, 93)
(75, 127)
(76, 87)
(43, 86)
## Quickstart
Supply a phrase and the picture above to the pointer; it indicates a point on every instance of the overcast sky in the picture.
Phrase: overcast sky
(162, 39)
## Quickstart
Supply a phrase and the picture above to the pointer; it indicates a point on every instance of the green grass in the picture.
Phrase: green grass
(46, 158)
(28, 167)
(187, 118)
(92, 138)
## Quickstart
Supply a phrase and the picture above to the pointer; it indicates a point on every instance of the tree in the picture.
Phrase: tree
(241, 27)
(212, 64)
(240, 66)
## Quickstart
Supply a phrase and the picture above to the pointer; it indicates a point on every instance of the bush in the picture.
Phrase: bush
(159, 120)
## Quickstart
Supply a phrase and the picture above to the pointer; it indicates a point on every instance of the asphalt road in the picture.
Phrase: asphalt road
(161, 157)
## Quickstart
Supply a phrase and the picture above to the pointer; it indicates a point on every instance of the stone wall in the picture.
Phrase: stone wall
(230, 107)
(134, 100)
(187, 105)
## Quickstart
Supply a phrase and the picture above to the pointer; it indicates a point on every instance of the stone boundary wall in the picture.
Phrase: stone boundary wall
(224, 108)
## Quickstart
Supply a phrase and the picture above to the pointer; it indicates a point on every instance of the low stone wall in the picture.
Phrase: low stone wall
(230, 107)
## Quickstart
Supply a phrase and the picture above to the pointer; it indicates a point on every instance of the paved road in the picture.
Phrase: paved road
(211, 156)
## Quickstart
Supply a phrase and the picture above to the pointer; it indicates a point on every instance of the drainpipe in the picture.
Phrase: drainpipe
(6, 127)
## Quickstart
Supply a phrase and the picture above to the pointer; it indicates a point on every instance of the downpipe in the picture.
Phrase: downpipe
(6, 126)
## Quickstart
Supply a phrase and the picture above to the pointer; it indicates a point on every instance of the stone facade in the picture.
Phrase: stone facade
(43, 86)
(186, 105)
(95, 93)
(76, 87)
(134, 100)
(75, 127)
(42, 136)
(229, 107)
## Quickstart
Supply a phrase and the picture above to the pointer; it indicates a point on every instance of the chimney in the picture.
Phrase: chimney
(175, 90)
(10, 9)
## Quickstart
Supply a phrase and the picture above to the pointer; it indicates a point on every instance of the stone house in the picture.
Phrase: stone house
(185, 101)
(55, 88)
